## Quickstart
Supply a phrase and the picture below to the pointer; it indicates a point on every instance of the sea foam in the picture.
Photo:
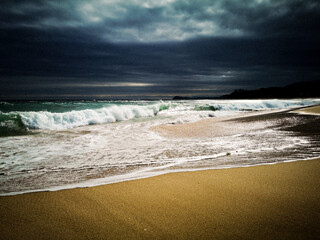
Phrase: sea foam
(240, 105)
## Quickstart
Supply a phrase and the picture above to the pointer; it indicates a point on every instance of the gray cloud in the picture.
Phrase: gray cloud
(171, 46)
(171, 20)
(120, 21)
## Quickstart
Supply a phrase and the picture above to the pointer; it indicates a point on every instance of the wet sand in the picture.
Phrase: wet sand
(206, 128)
(280, 201)
(310, 110)
(214, 127)
(211, 127)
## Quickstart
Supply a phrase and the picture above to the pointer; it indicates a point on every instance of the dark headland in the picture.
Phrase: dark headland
(295, 90)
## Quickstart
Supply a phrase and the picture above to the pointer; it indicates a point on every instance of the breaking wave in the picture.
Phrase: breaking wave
(14, 122)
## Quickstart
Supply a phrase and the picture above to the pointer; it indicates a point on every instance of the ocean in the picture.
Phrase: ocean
(61, 145)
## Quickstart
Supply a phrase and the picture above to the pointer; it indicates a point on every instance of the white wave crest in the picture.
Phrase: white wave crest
(61, 121)
(239, 105)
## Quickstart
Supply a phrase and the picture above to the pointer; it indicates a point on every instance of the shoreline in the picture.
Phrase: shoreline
(278, 201)
(99, 181)
(208, 128)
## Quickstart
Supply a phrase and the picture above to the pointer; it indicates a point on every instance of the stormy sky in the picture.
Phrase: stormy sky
(154, 48)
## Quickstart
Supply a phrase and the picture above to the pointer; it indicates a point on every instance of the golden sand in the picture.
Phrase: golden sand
(280, 201)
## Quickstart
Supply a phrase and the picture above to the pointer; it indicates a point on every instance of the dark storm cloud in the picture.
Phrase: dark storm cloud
(145, 21)
(172, 47)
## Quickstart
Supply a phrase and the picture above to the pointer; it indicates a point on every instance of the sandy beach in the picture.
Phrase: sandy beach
(279, 201)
